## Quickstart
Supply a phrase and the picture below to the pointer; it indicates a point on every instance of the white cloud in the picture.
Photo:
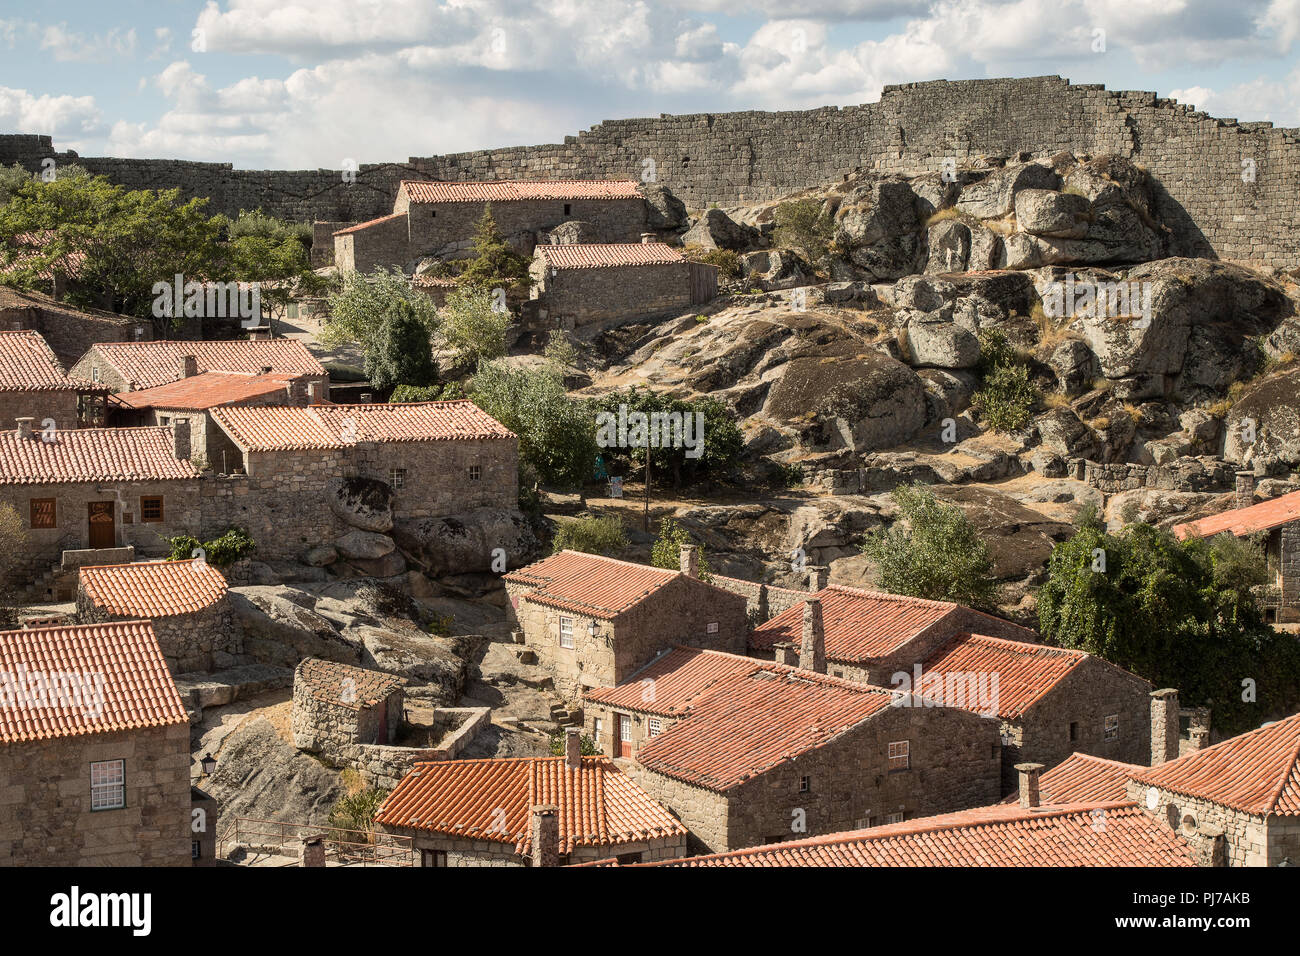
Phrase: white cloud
(1273, 101)
(94, 48)
(70, 119)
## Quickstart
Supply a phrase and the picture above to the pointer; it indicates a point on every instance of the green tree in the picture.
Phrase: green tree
(557, 436)
(586, 744)
(401, 355)
(932, 551)
(472, 328)
(718, 443)
(801, 225)
(667, 549)
(495, 263)
(281, 268)
(358, 307)
(594, 534)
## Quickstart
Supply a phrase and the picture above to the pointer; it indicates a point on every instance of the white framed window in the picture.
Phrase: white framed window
(566, 632)
(397, 477)
(475, 472)
(895, 817)
(653, 727)
(1112, 727)
(711, 627)
(108, 785)
(596, 728)
(805, 784)
(900, 755)
(94, 373)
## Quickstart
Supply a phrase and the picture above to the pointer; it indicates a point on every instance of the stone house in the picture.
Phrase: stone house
(97, 489)
(1277, 522)
(1083, 778)
(195, 395)
(578, 284)
(872, 635)
(68, 330)
(187, 602)
(337, 706)
(434, 459)
(593, 620)
(438, 218)
(1051, 701)
(125, 367)
(435, 287)
(1239, 799)
(529, 811)
(34, 385)
(747, 752)
(94, 749)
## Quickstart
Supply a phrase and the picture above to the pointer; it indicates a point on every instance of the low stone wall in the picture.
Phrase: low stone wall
(383, 767)
(762, 601)
(1187, 474)
(470, 720)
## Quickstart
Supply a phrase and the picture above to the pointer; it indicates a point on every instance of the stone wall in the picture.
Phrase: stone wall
(762, 601)
(1187, 474)
(58, 404)
(1245, 834)
(574, 297)
(734, 157)
(203, 640)
(383, 243)
(45, 816)
(332, 731)
(69, 332)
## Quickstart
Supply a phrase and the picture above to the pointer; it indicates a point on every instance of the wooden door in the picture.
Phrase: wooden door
(381, 735)
(103, 531)
(624, 734)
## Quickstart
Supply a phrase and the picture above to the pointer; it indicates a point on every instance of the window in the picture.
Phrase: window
(94, 373)
(900, 755)
(433, 858)
(44, 513)
(568, 209)
(596, 728)
(164, 420)
(196, 849)
(397, 477)
(108, 785)
(566, 632)
(475, 472)
(805, 784)
(627, 858)
(837, 673)
(711, 627)
(654, 727)
(151, 510)
(895, 817)
(1112, 727)
(1074, 731)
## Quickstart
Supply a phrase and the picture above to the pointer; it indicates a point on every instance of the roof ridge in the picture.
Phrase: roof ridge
(1012, 643)
(889, 596)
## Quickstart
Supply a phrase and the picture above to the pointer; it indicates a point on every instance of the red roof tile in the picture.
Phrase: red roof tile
(433, 282)
(153, 589)
(676, 681)
(515, 190)
(1091, 834)
(860, 625)
(285, 427)
(589, 583)
(28, 365)
(92, 454)
(1243, 521)
(1258, 772)
(1025, 672)
(1083, 778)
(749, 721)
(492, 799)
(16, 299)
(206, 390)
(146, 364)
(607, 255)
(370, 222)
(345, 685)
(88, 679)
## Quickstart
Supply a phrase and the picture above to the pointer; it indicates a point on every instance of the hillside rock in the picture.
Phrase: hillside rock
(1263, 427)
(994, 196)
(281, 628)
(716, 230)
(362, 503)
(935, 340)
(467, 543)
(1044, 212)
(663, 210)
(776, 269)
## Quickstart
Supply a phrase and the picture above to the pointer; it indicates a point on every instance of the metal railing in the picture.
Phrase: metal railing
(342, 847)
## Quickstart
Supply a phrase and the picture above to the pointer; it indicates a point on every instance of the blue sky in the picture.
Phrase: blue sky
(310, 83)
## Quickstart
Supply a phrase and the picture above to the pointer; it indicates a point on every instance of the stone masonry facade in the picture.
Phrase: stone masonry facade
(574, 297)
(203, 640)
(737, 157)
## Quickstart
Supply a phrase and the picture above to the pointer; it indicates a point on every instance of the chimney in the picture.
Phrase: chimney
(818, 577)
(1245, 489)
(1029, 772)
(24, 427)
(181, 438)
(647, 238)
(812, 652)
(311, 850)
(690, 560)
(313, 392)
(189, 366)
(264, 370)
(546, 835)
(573, 748)
(787, 653)
(297, 392)
(1164, 725)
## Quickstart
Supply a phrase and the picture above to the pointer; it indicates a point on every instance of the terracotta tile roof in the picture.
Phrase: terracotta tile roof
(16, 299)
(1025, 672)
(680, 678)
(92, 454)
(206, 390)
(1090, 834)
(285, 427)
(28, 365)
(513, 190)
(860, 625)
(345, 685)
(1257, 772)
(146, 364)
(1263, 516)
(492, 799)
(607, 255)
(590, 584)
(120, 678)
(433, 282)
(746, 724)
(370, 222)
(153, 589)
(1083, 778)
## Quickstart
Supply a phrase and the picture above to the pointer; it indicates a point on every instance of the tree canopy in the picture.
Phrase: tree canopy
(401, 353)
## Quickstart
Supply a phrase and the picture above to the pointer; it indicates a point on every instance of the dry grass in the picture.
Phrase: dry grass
(1051, 331)
(1133, 412)
(1056, 400)
(1003, 227)
(1099, 424)
(942, 215)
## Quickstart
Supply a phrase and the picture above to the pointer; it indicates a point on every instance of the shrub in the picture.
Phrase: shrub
(667, 549)
(801, 225)
(221, 552)
(1007, 395)
(356, 811)
(401, 354)
(587, 745)
(727, 260)
(594, 534)
(471, 328)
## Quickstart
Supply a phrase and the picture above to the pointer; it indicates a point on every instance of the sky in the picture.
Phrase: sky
(309, 84)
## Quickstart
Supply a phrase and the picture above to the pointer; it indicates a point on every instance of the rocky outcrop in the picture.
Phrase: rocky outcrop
(716, 230)
(468, 543)
(664, 211)
(281, 628)
(362, 503)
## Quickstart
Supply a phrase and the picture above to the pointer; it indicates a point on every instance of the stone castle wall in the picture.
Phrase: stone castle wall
(745, 156)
